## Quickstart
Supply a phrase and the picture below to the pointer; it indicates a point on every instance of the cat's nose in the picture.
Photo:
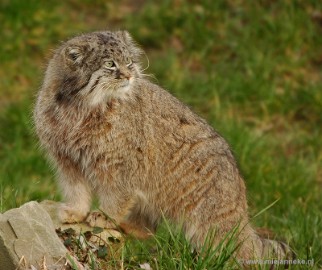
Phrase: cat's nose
(123, 75)
(127, 76)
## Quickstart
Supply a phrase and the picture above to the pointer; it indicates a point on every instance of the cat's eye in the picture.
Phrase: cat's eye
(109, 64)
(128, 62)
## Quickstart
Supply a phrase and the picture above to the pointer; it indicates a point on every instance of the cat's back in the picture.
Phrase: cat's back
(187, 156)
(168, 119)
(177, 139)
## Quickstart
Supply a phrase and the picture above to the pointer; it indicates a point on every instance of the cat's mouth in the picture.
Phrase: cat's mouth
(126, 83)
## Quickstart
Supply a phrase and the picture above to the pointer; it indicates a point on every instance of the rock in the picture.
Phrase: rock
(28, 238)
(32, 237)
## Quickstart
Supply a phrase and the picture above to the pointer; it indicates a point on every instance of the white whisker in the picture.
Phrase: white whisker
(147, 58)
(150, 76)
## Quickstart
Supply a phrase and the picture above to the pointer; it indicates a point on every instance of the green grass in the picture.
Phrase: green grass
(170, 250)
(251, 68)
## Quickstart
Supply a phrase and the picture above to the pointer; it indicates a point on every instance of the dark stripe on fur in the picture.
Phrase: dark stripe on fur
(95, 84)
(69, 88)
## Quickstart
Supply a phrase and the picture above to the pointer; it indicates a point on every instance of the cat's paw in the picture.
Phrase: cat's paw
(98, 219)
(68, 214)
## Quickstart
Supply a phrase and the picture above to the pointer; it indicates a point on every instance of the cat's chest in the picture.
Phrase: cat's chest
(94, 140)
(98, 135)
(94, 133)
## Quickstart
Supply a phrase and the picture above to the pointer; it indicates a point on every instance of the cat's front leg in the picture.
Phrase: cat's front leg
(77, 197)
(115, 207)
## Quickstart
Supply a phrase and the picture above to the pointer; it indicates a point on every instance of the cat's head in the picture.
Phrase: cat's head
(94, 68)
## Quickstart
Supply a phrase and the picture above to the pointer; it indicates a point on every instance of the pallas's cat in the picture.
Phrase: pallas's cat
(143, 153)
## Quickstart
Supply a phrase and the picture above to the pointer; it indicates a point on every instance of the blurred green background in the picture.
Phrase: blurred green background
(251, 68)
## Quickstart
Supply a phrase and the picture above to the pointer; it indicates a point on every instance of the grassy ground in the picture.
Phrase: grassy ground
(251, 68)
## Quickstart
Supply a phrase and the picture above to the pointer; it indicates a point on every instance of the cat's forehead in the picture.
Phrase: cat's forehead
(101, 41)
(103, 45)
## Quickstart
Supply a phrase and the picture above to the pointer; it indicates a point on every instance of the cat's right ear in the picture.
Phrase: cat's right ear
(73, 55)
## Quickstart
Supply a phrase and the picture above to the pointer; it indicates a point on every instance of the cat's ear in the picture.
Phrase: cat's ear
(126, 37)
(74, 54)
(128, 40)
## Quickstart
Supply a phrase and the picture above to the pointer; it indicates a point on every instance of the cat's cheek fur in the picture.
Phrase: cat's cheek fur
(103, 94)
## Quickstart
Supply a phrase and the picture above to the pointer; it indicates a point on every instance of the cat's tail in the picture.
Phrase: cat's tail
(260, 247)
(273, 246)
(277, 249)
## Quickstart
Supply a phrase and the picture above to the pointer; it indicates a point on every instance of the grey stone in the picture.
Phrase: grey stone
(28, 239)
